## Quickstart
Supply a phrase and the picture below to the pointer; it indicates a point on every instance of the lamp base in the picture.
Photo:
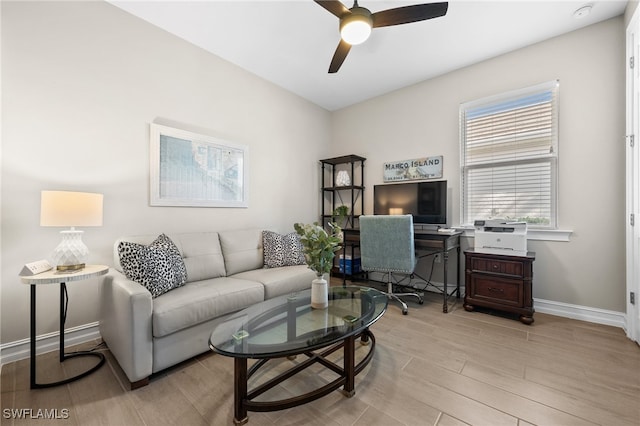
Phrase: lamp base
(70, 268)
(71, 254)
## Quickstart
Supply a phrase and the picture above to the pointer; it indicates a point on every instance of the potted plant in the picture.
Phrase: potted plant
(341, 216)
(319, 249)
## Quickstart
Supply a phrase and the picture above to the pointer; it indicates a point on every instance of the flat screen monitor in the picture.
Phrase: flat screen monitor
(425, 201)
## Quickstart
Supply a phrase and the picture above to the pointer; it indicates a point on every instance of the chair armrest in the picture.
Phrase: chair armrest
(125, 324)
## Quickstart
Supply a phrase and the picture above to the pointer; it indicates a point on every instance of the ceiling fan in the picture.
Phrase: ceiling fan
(356, 23)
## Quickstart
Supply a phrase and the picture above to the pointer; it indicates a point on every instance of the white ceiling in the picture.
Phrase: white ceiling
(291, 43)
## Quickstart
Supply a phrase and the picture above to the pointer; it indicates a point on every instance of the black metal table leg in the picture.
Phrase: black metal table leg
(63, 356)
(32, 345)
(458, 273)
(445, 307)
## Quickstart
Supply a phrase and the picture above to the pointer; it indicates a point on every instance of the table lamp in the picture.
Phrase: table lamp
(65, 208)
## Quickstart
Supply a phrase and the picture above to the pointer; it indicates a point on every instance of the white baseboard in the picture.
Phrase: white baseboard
(20, 349)
(584, 313)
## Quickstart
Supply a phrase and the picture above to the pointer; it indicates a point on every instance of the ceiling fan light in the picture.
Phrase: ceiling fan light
(356, 27)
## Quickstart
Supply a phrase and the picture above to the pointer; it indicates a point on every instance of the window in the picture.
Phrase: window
(509, 156)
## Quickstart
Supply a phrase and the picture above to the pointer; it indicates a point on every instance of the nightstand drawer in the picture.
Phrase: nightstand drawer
(494, 266)
(498, 290)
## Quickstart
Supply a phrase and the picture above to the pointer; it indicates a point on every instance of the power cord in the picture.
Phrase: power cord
(100, 345)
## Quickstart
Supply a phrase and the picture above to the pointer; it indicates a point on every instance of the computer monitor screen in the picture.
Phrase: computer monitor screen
(425, 201)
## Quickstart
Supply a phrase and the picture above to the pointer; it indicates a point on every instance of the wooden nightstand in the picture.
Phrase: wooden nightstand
(499, 281)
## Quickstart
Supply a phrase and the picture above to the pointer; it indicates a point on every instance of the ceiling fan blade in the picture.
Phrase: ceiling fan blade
(333, 6)
(339, 56)
(408, 14)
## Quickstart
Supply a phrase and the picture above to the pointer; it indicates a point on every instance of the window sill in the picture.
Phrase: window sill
(532, 234)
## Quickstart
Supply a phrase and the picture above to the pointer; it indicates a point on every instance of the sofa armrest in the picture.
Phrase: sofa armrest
(125, 324)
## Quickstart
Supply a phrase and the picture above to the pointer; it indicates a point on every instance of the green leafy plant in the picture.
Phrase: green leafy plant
(340, 215)
(319, 246)
(341, 212)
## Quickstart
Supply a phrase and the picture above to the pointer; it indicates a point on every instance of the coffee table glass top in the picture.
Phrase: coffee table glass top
(287, 325)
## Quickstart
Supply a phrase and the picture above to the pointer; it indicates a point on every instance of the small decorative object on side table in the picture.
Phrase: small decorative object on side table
(500, 281)
(57, 277)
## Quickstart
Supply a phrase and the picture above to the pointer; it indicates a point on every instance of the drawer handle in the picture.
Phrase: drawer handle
(496, 290)
(495, 266)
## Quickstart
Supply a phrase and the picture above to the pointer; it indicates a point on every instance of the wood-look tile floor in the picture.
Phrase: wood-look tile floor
(429, 368)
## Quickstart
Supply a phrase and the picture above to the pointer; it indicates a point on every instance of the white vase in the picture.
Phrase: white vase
(342, 178)
(319, 293)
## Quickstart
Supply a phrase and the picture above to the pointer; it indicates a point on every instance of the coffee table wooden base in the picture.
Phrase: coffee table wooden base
(244, 399)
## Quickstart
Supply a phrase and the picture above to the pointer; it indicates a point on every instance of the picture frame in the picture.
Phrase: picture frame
(414, 169)
(193, 170)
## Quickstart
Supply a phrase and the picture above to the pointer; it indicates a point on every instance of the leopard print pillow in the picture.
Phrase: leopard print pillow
(282, 250)
(158, 267)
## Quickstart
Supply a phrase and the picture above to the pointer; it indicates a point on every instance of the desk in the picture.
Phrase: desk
(432, 241)
(55, 277)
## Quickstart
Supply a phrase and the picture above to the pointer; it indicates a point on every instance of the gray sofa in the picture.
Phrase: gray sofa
(225, 274)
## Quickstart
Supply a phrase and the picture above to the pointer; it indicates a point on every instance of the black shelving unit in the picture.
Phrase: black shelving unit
(351, 195)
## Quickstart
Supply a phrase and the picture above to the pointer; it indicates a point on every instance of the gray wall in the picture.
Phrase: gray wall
(422, 120)
(81, 82)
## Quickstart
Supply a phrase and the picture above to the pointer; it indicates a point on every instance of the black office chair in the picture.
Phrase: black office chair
(386, 245)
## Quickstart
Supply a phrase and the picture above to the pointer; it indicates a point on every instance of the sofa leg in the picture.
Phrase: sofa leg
(139, 383)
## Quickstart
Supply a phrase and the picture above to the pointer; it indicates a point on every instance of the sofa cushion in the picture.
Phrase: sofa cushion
(139, 239)
(158, 266)
(282, 250)
(281, 281)
(242, 250)
(202, 255)
(200, 301)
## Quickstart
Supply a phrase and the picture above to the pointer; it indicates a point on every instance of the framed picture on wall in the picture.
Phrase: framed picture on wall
(418, 168)
(188, 169)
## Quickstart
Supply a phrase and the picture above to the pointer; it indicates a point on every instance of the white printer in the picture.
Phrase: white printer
(501, 237)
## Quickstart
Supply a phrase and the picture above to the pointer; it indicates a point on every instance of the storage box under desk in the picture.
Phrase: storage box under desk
(349, 266)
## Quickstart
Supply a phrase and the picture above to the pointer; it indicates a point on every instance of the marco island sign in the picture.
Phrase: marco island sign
(420, 168)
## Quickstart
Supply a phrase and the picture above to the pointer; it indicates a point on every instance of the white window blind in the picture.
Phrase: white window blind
(509, 156)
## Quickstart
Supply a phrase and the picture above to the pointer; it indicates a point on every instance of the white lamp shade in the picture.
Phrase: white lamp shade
(66, 208)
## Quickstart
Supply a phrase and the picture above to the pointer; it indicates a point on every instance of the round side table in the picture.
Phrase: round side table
(61, 278)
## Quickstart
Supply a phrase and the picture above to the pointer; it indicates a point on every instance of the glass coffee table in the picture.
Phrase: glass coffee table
(286, 326)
